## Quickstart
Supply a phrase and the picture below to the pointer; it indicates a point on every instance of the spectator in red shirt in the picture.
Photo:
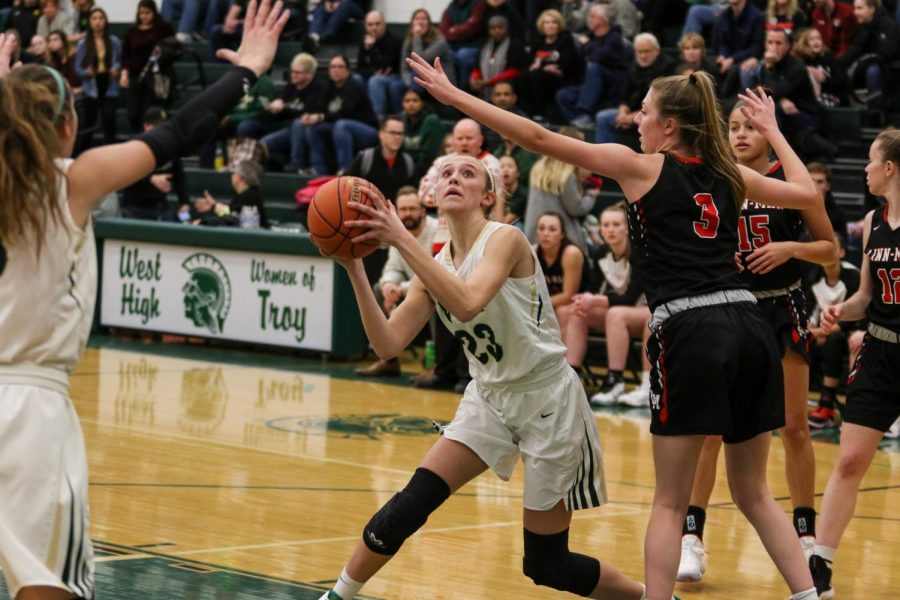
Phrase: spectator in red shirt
(462, 25)
(836, 23)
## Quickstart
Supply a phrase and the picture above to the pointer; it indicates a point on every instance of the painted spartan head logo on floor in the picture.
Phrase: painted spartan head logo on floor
(207, 294)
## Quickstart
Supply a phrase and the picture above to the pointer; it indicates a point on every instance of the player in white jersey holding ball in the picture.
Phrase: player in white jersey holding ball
(48, 278)
(524, 400)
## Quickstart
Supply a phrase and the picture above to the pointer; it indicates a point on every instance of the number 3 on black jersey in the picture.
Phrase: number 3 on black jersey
(708, 225)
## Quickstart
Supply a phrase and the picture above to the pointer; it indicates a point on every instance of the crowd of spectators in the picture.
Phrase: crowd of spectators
(583, 66)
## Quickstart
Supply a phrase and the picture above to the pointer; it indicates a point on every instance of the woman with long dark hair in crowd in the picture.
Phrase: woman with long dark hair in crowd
(48, 267)
(142, 40)
(98, 62)
(61, 58)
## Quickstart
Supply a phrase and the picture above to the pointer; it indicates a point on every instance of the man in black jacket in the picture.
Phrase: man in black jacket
(378, 61)
(649, 64)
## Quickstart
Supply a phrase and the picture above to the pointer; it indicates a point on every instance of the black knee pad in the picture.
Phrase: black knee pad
(548, 562)
(405, 513)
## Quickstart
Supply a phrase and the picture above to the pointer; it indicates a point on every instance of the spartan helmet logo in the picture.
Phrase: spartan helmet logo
(207, 294)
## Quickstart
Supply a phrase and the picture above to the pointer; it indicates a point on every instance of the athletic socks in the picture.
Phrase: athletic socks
(809, 594)
(826, 553)
(694, 522)
(805, 521)
(346, 588)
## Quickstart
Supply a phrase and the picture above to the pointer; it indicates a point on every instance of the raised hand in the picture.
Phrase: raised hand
(382, 223)
(432, 78)
(760, 111)
(7, 42)
(262, 27)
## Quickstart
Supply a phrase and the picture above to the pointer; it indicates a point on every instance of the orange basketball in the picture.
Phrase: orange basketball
(329, 210)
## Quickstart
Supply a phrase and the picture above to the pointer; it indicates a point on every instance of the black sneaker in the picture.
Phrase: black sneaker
(821, 574)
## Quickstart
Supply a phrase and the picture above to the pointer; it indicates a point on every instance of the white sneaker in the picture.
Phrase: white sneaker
(894, 432)
(808, 543)
(639, 397)
(693, 559)
(609, 393)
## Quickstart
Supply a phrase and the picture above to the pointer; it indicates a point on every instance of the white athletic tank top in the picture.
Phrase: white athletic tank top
(515, 338)
(47, 300)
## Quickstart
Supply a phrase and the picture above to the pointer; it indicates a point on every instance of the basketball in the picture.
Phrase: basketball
(328, 212)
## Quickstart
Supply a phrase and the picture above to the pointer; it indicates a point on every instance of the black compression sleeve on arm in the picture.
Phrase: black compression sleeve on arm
(198, 120)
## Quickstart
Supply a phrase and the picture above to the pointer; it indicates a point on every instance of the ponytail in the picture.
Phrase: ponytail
(691, 100)
(33, 101)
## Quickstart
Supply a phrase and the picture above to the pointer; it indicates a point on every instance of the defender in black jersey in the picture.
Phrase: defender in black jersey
(717, 368)
(769, 253)
(873, 393)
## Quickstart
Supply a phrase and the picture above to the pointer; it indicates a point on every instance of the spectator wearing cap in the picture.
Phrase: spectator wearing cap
(378, 62)
(148, 198)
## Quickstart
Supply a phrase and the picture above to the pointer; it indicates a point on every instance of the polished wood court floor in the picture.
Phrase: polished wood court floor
(240, 476)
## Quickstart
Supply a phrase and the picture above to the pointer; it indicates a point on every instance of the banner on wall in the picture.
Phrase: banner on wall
(272, 299)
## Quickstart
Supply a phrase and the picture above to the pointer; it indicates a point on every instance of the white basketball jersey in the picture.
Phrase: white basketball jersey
(516, 336)
(47, 299)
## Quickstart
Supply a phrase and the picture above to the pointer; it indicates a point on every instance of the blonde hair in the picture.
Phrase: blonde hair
(792, 8)
(691, 100)
(553, 14)
(801, 46)
(304, 62)
(889, 145)
(551, 174)
(30, 111)
(691, 40)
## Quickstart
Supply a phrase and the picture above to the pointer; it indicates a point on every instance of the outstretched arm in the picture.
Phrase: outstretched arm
(389, 337)
(196, 122)
(610, 160)
(799, 191)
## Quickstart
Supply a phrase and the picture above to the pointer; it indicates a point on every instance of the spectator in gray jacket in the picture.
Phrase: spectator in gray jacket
(556, 187)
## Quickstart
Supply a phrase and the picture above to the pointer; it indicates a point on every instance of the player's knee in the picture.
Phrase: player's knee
(548, 562)
(795, 434)
(851, 465)
(405, 513)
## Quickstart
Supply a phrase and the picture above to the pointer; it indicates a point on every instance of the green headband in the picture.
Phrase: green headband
(61, 87)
